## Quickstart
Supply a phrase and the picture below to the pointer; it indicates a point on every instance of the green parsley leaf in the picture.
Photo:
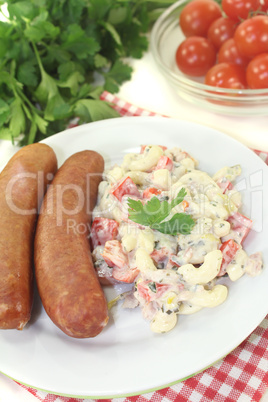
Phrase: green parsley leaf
(4, 112)
(179, 223)
(5, 134)
(114, 34)
(73, 82)
(117, 15)
(137, 213)
(98, 9)
(17, 121)
(27, 74)
(4, 46)
(179, 198)
(56, 108)
(85, 91)
(100, 61)
(68, 68)
(76, 41)
(41, 123)
(47, 88)
(40, 29)
(119, 73)
(152, 286)
(154, 212)
(93, 110)
(32, 132)
(21, 9)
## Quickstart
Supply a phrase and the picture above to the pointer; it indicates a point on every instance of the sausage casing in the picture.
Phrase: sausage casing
(66, 279)
(23, 183)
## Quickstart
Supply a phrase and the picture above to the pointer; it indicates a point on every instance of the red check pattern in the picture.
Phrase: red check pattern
(127, 109)
(242, 376)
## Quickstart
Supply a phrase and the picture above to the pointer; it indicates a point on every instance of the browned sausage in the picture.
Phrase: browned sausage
(66, 279)
(22, 185)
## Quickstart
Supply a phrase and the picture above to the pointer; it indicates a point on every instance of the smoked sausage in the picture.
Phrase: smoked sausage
(23, 183)
(66, 279)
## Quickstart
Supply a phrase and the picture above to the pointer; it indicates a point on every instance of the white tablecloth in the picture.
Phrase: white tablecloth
(149, 90)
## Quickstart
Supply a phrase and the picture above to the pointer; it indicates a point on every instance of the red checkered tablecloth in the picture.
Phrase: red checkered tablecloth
(242, 376)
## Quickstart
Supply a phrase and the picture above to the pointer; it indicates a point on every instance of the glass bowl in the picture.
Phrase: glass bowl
(165, 38)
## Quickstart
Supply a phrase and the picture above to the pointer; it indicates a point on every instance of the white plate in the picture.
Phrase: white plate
(127, 358)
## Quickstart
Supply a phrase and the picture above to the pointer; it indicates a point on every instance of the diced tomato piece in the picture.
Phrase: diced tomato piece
(144, 146)
(125, 187)
(126, 274)
(150, 191)
(229, 249)
(161, 289)
(240, 224)
(160, 256)
(224, 184)
(143, 291)
(185, 205)
(102, 230)
(149, 290)
(114, 255)
(164, 258)
(164, 162)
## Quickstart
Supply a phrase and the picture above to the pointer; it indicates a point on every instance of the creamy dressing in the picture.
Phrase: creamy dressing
(171, 275)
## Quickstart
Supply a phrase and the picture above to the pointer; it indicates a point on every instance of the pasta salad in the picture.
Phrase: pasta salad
(172, 231)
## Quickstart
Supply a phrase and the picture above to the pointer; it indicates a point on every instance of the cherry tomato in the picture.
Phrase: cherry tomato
(239, 9)
(228, 53)
(264, 6)
(257, 72)
(220, 30)
(226, 75)
(251, 36)
(195, 56)
(197, 16)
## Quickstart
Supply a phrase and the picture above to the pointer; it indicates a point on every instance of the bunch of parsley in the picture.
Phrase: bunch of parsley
(52, 53)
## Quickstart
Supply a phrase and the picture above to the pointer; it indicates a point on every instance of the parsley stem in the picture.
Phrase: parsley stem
(26, 100)
(2, 65)
(26, 111)
(42, 70)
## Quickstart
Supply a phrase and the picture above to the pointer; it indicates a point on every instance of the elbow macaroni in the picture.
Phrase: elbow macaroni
(139, 178)
(146, 161)
(129, 242)
(161, 179)
(209, 298)
(146, 240)
(143, 261)
(206, 272)
(163, 322)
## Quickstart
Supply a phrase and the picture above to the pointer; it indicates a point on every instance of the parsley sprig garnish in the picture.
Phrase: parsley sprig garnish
(154, 212)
